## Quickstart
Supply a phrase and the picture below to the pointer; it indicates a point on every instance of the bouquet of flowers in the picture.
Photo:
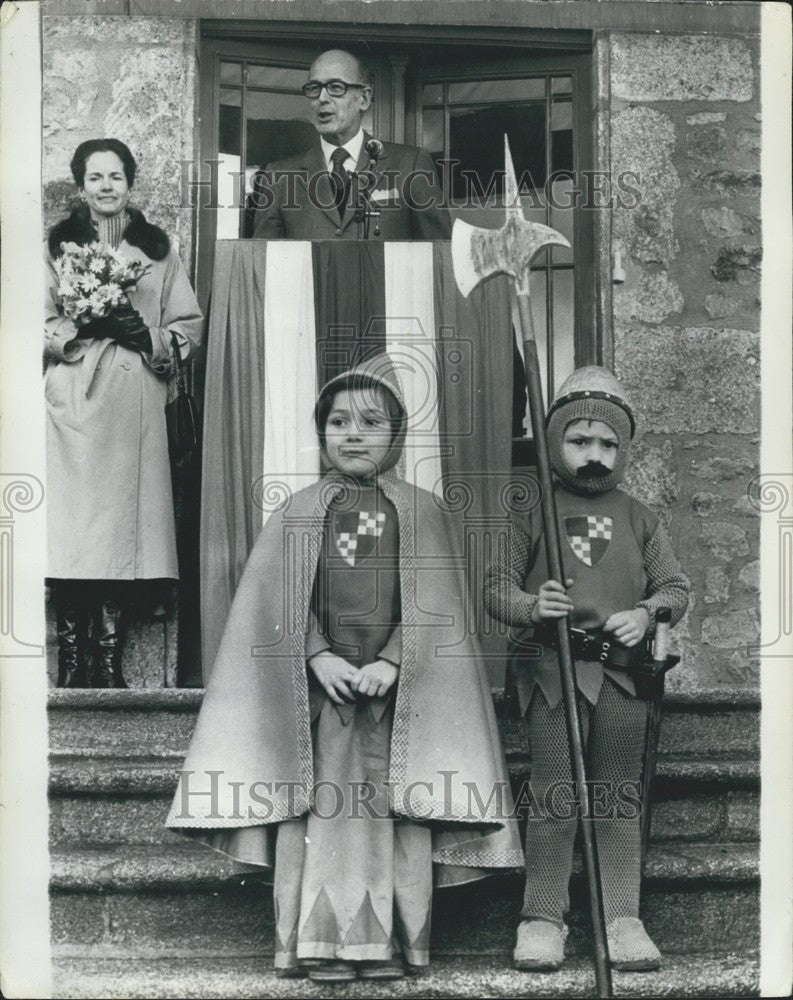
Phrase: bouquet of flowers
(92, 280)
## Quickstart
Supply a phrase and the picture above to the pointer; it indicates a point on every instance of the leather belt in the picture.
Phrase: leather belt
(597, 646)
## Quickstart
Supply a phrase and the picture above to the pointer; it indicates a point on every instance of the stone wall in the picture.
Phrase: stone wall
(133, 78)
(684, 115)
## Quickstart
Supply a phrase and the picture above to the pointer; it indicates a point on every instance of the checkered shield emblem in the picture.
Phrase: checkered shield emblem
(588, 537)
(355, 533)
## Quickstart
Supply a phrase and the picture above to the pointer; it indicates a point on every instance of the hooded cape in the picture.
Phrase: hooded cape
(250, 762)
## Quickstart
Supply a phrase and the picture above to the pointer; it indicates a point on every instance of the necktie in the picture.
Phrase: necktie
(340, 179)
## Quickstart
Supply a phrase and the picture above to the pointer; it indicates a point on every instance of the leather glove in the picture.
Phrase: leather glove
(128, 316)
(132, 332)
(104, 326)
(135, 340)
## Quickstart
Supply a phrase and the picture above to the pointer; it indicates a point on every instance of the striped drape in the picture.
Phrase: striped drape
(286, 316)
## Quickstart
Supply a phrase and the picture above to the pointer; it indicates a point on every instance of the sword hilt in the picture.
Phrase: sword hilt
(663, 624)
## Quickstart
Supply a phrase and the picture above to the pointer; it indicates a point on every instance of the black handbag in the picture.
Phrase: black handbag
(181, 416)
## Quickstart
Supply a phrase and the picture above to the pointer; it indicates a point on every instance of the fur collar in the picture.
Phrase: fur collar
(77, 228)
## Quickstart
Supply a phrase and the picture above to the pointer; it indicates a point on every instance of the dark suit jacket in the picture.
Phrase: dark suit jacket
(295, 199)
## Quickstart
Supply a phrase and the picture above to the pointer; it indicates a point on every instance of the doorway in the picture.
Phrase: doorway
(456, 95)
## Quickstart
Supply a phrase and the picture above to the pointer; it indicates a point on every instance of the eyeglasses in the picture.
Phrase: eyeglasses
(335, 88)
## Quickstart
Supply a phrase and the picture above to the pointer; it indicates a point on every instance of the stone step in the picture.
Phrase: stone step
(157, 722)
(96, 772)
(709, 723)
(106, 799)
(722, 975)
(181, 900)
(713, 723)
(191, 866)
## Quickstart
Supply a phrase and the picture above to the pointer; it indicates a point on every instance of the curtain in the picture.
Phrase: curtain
(475, 345)
(288, 315)
(233, 431)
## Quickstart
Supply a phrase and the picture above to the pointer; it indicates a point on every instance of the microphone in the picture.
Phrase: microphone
(374, 150)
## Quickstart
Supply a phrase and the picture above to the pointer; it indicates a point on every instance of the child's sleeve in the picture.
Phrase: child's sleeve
(392, 651)
(504, 596)
(667, 585)
(316, 642)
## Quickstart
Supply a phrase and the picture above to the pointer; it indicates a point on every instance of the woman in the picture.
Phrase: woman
(110, 516)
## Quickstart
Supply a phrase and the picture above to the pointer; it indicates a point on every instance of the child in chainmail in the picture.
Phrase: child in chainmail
(621, 569)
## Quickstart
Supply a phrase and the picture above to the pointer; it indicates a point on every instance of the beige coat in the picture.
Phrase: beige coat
(110, 511)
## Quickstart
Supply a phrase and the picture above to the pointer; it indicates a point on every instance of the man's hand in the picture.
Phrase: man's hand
(552, 601)
(375, 679)
(628, 626)
(335, 675)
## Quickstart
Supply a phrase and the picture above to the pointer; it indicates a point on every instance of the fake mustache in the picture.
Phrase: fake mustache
(592, 470)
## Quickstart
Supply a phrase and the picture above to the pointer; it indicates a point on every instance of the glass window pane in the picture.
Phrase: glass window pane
(561, 135)
(229, 121)
(562, 85)
(230, 72)
(278, 77)
(229, 197)
(497, 90)
(278, 125)
(563, 326)
(231, 98)
(432, 131)
(476, 138)
(563, 198)
(432, 93)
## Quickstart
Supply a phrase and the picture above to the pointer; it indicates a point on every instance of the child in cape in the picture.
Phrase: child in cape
(621, 569)
(345, 669)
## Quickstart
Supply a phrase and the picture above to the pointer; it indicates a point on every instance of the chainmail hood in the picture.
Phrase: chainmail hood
(590, 393)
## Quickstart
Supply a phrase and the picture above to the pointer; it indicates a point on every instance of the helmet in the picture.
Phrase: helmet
(590, 393)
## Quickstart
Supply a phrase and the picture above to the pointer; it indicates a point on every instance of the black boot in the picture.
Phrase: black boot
(72, 626)
(106, 672)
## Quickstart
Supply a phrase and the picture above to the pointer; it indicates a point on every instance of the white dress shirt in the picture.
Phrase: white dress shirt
(353, 148)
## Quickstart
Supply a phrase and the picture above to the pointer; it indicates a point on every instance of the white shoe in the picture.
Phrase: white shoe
(540, 945)
(630, 946)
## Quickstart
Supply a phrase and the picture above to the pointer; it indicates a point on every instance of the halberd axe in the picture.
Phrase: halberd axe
(477, 254)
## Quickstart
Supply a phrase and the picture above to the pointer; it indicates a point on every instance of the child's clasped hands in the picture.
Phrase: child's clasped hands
(344, 682)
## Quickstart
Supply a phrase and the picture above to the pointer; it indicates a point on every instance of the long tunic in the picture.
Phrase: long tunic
(351, 881)
(355, 600)
(110, 508)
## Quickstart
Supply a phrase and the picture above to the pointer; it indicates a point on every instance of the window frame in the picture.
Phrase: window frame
(577, 65)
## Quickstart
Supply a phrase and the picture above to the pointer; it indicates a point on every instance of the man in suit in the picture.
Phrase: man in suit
(323, 193)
